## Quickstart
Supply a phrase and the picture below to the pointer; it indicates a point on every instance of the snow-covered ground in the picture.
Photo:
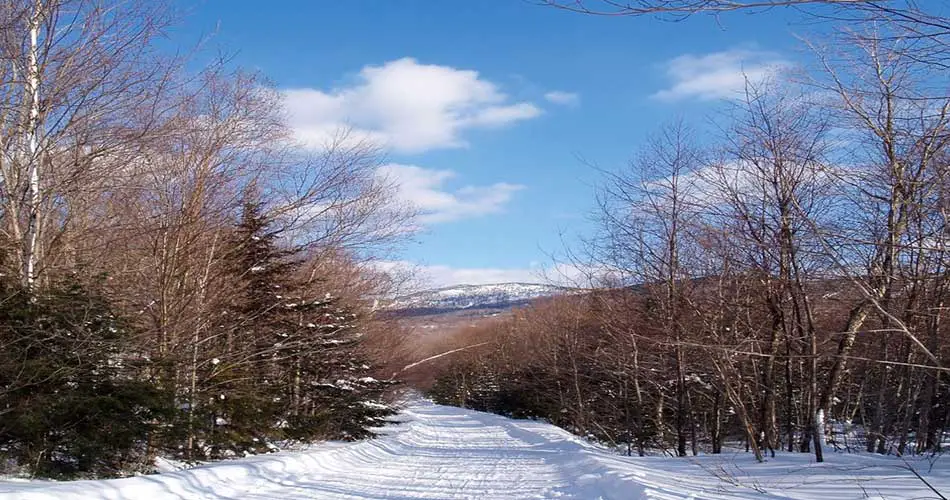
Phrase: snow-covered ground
(445, 452)
(476, 296)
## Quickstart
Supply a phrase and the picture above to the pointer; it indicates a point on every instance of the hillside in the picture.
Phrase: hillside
(498, 296)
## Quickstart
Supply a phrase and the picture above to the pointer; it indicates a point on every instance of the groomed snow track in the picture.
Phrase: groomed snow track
(440, 452)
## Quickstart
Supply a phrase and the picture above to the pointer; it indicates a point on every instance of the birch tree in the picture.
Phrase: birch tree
(76, 75)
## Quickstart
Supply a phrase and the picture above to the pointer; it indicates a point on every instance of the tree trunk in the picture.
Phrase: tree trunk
(30, 249)
(856, 319)
(681, 406)
(717, 424)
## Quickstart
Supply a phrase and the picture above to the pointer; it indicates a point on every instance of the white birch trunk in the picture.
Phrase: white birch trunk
(32, 130)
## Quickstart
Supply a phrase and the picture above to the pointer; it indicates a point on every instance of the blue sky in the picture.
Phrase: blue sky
(491, 110)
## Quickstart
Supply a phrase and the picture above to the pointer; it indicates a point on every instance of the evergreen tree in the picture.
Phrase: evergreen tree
(241, 399)
(291, 362)
(70, 402)
(335, 396)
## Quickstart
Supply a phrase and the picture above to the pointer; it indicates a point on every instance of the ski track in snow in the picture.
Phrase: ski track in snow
(441, 452)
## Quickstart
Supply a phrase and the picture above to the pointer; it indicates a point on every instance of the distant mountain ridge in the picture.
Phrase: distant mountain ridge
(462, 297)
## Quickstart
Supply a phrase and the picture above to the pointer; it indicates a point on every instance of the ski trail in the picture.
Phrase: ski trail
(437, 455)
(442, 452)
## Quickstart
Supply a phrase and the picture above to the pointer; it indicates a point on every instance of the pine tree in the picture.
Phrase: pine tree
(291, 362)
(335, 396)
(242, 397)
(70, 400)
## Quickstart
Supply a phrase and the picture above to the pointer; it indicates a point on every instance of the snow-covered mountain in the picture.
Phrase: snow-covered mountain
(496, 296)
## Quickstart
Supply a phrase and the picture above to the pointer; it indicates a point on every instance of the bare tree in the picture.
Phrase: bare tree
(925, 23)
(769, 192)
(907, 10)
(895, 119)
(646, 214)
(77, 73)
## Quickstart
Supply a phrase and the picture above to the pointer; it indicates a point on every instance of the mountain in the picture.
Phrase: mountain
(472, 297)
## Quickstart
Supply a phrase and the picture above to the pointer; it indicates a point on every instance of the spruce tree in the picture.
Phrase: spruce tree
(71, 402)
(242, 395)
(291, 363)
(336, 396)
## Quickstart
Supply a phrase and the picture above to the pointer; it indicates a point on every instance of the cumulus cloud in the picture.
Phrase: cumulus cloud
(406, 106)
(717, 75)
(561, 97)
(425, 190)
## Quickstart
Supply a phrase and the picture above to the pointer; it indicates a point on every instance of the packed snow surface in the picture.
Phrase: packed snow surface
(450, 453)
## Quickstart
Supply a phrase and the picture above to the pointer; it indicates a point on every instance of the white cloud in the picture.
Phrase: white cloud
(406, 106)
(563, 98)
(424, 189)
(717, 75)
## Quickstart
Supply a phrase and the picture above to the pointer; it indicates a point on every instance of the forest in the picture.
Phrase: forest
(776, 280)
(179, 278)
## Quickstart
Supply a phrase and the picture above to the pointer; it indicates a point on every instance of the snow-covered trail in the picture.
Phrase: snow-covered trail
(441, 452)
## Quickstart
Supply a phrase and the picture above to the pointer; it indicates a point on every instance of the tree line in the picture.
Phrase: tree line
(778, 280)
(177, 277)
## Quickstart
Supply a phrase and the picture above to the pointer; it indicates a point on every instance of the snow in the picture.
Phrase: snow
(475, 296)
(445, 452)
